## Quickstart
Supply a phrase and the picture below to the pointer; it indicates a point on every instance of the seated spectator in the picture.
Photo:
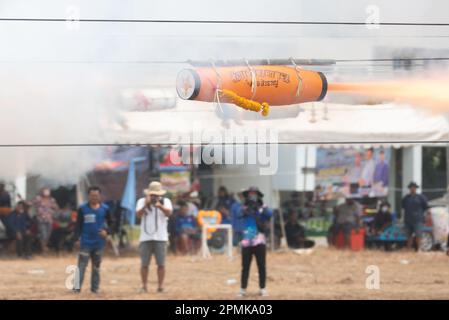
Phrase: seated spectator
(224, 198)
(225, 215)
(193, 206)
(192, 201)
(187, 232)
(296, 234)
(20, 223)
(346, 218)
(383, 218)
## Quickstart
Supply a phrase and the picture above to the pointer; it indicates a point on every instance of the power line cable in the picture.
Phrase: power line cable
(208, 61)
(269, 22)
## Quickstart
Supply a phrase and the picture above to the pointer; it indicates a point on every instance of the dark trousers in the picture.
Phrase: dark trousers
(23, 246)
(83, 260)
(58, 239)
(260, 251)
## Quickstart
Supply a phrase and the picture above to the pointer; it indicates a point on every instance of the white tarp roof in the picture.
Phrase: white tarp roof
(387, 124)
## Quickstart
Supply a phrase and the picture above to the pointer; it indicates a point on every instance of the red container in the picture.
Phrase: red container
(356, 240)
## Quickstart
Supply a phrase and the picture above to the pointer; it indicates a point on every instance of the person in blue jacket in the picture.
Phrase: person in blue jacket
(255, 217)
(92, 228)
(20, 222)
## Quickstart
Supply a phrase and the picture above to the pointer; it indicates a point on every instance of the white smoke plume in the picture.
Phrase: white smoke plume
(46, 106)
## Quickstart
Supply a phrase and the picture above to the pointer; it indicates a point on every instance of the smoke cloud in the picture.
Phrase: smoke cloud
(46, 106)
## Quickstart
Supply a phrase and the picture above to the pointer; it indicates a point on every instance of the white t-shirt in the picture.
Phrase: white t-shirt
(153, 224)
(368, 172)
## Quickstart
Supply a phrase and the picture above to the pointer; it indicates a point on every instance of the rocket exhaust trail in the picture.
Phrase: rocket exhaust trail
(431, 94)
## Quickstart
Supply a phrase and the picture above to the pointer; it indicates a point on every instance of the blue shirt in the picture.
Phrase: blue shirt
(184, 222)
(381, 173)
(237, 223)
(89, 223)
(226, 220)
(252, 236)
(5, 199)
(227, 202)
(414, 207)
(20, 222)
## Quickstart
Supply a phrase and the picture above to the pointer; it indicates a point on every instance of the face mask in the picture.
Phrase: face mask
(384, 209)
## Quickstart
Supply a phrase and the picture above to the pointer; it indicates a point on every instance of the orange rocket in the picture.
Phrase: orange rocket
(252, 87)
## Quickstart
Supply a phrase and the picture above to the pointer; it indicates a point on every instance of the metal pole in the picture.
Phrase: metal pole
(229, 241)
(447, 168)
(303, 194)
(272, 242)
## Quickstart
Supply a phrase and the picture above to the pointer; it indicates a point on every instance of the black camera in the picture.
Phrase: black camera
(154, 200)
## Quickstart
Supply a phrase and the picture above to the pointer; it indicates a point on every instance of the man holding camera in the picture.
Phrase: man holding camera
(153, 210)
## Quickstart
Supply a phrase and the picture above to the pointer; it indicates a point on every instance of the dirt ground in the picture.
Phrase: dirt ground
(322, 274)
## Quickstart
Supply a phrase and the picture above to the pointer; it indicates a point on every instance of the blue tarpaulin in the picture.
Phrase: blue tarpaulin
(129, 195)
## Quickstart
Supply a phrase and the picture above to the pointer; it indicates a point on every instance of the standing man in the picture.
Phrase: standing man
(153, 210)
(92, 228)
(414, 206)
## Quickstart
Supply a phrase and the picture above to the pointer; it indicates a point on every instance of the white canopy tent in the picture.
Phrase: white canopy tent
(387, 124)
(341, 125)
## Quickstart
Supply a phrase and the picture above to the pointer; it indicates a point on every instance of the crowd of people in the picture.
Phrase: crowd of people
(184, 225)
(347, 217)
(40, 225)
(178, 226)
(185, 229)
(37, 225)
(154, 212)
